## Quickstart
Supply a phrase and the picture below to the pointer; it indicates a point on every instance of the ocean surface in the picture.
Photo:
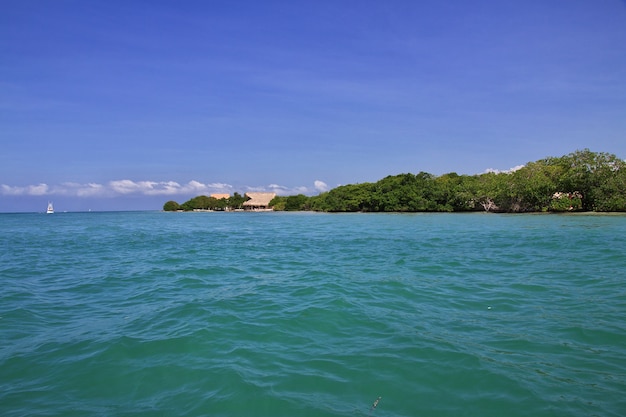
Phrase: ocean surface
(305, 314)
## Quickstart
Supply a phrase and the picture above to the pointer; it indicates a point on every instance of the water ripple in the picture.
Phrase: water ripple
(307, 314)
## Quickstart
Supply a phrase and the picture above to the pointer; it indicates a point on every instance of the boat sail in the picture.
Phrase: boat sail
(50, 209)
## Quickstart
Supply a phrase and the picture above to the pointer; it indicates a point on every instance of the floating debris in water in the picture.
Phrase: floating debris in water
(373, 407)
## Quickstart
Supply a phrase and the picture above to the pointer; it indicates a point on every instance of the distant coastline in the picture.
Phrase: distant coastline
(580, 182)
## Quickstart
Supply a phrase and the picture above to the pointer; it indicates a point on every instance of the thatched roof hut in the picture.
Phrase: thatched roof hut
(258, 201)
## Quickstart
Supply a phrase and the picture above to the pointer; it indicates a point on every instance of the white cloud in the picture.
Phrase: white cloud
(192, 187)
(257, 189)
(139, 187)
(278, 189)
(320, 186)
(282, 190)
(39, 189)
(116, 187)
(170, 187)
(195, 187)
(152, 188)
(506, 171)
(126, 187)
(80, 190)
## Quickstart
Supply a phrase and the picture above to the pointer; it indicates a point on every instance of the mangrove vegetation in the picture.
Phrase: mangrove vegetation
(580, 181)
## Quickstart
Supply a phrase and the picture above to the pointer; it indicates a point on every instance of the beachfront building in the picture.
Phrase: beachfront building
(258, 201)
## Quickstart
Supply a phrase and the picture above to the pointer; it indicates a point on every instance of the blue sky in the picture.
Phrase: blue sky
(114, 105)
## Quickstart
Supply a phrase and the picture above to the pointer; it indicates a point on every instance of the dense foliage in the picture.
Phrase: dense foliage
(582, 180)
(202, 202)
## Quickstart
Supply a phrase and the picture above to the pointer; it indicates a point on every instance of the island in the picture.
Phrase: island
(581, 181)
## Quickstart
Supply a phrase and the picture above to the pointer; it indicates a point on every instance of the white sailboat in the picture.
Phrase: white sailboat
(50, 209)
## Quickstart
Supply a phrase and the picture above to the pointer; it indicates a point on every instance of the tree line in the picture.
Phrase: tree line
(580, 181)
(203, 202)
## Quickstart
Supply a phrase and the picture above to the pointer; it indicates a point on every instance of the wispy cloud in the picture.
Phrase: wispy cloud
(39, 189)
(505, 171)
(127, 187)
(79, 190)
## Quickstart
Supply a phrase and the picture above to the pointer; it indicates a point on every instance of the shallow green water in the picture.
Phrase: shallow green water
(301, 314)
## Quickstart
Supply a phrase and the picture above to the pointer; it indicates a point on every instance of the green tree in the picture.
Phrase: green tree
(201, 202)
(599, 177)
(345, 198)
(534, 185)
(171, 206)
(492, 191)
(236, 201)
(404, 193)
(278, 203)
(220, 203)
(453, 192)
(296, 202)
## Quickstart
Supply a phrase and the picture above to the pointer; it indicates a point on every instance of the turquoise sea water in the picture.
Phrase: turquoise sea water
(302, 314)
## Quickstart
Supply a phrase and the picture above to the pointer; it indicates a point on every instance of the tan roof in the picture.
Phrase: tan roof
(220, 196)
(259, 199)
